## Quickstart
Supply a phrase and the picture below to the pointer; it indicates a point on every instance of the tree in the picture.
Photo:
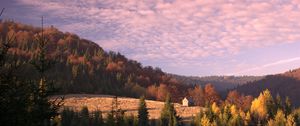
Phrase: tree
(290, 121)
(287, 106)
(197, 95)
(263, 106)
(241, 101)
(168, 115)
(279, 119)
(43, 109)
(162, 92)
(110, 120)
(98, 119)
(67, 117)
(14, 93)
(25, 101)
(84, 116)
(205, 121)
(211, 94)
(142, 113)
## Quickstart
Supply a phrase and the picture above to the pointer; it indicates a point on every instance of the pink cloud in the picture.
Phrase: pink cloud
(181, 29)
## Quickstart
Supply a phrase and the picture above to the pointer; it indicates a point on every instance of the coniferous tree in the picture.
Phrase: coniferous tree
(25, 101)
(84, 116)
(110, 120)
(13, 92)
(287, 106)
(168, 115)
(143, 113)
(42, 109)
(98, 119)
(67, 117)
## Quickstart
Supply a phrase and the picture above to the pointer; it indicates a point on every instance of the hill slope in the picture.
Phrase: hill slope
(285, 84)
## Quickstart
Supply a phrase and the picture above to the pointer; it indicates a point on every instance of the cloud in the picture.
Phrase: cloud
(177, 30)
(267, 66)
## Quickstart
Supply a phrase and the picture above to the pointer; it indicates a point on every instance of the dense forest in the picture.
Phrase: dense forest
(286, 85)
(221, 83)
(262, 111)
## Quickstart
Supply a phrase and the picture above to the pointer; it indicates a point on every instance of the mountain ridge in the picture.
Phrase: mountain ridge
(286, 84)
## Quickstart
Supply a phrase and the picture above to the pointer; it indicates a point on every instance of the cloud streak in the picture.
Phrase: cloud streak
(269, 65)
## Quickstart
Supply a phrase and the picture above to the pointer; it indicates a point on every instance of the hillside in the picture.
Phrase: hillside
(285, 84)
(221, 83)
(82, 66)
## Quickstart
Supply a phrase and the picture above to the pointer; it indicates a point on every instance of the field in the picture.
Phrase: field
(130, 105)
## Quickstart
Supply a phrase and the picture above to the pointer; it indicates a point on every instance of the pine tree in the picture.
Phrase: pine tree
(84, 116)
(287, 106)
(142, 113)
(43, 109)
(110, 120)
(98, 119)
(168, 114)
(66, 117)
(14, 93)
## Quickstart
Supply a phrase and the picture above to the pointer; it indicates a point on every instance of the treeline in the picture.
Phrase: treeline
(263, 111)
(82, 66)
(221, 83)
(117, 117)
(286, 84)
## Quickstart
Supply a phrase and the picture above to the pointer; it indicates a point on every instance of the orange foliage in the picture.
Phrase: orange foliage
(211, 95)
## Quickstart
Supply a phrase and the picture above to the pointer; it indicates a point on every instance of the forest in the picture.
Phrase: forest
(38, 62)
(263, 110)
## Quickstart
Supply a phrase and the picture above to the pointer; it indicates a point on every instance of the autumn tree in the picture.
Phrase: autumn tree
(263, 106)
(241, 101)
(162, 92)
(279, 119)
(211, 95)
(197, 95)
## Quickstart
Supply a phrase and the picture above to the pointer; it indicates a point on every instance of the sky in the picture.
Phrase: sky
(186, 37)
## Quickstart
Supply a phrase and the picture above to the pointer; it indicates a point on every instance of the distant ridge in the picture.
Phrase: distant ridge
(285, 84)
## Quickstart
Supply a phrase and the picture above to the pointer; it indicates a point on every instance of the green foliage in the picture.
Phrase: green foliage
(168, 115)
(110, 121)
(143, 113)
(97, 120)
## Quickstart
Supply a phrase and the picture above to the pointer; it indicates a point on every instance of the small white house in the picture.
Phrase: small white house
(185, 102)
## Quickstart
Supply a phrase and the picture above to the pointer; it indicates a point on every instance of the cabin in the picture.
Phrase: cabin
(186, 102)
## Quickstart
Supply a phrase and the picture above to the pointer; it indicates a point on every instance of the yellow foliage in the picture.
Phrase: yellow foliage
(205, 121)
(290, 121)
(259, 105)
(280, 118)
(233, 110)
(247, 118)
(215, 108)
